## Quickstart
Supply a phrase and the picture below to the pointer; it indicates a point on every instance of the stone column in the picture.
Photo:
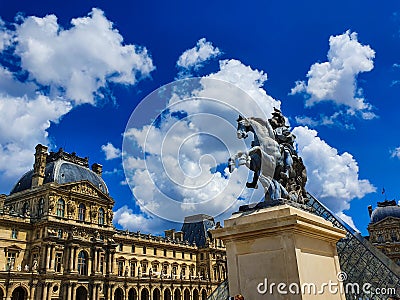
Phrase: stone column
(71, 258)
(75, 259)
(69, 292)
(89, 265)
(272, 251)
(95, 260)
(32, 291)
(73, 292)
(52, 257)
(94, 292)
(44, 291)
(112, 263)
(47, 264)
(110, 292)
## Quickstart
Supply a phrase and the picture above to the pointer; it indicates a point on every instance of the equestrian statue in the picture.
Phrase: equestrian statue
(273, 159)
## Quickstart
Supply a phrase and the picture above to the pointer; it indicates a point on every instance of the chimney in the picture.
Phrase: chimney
(170, 233)
(179, 236)
(2, 200)
(370, 210)
(97, 168)
(39, 165)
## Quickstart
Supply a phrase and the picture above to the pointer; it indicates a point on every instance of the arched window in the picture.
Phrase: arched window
(82, 263)
(81, 212)
(25, 208)
(101, 216)
(60, 208)
(41, 207)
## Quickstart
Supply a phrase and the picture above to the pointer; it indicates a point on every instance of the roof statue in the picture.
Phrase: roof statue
(273, 159)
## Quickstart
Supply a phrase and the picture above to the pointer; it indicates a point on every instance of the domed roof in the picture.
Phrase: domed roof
(60, 170)
(384, 210)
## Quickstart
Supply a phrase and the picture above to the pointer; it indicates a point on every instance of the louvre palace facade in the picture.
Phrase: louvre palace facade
(57, 241)
(384, 228)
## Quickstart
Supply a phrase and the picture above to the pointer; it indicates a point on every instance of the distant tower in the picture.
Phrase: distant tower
(39, 165)
(384, 228)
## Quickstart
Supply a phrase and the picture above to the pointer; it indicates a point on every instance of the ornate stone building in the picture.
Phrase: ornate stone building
(384, 228)
(57, 241)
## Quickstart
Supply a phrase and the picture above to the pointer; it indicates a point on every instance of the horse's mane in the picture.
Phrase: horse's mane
(264, 126)
(259, 120)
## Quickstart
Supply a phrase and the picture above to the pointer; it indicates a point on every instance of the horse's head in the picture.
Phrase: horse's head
(243, 127)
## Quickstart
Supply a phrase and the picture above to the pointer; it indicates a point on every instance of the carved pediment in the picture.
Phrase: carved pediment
(85, 188)
(388, 221)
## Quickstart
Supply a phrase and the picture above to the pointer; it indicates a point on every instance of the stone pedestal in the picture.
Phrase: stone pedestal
(276, 252)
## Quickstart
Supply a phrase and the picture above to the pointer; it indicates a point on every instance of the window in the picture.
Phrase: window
(144, 249)
(133, 248)
(58, 262)
(191, 255)
(41, 207)
(183, 272)
(183, 255)
(133, 268)
(120, 268)
(81, 212)
(101, 264)
(165, 252)
(380, 238)
(101, 216)
(11, 255)
(393, 236)
(144, 268)
(35, 259)
(201, 256)
(60, 208)
(155, 267)
(14, 233)
(174, 269)
(25, 208)
(165, 269)
(121, 246)
(82, 263)
(155, 251)
(60, 233)
(174, 253)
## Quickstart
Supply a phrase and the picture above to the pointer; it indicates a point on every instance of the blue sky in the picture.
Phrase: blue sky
(85, 80)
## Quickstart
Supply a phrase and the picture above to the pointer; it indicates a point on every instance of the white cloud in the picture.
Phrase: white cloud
(336, 79)
(195, 57)
(395, 152)
(74, 63)
(178, 176)
(78, 62)
(336, 119)
(182, 161)
(23, 124)
(332, 177)
(348, 220)
(110, 151)
(127, 219)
